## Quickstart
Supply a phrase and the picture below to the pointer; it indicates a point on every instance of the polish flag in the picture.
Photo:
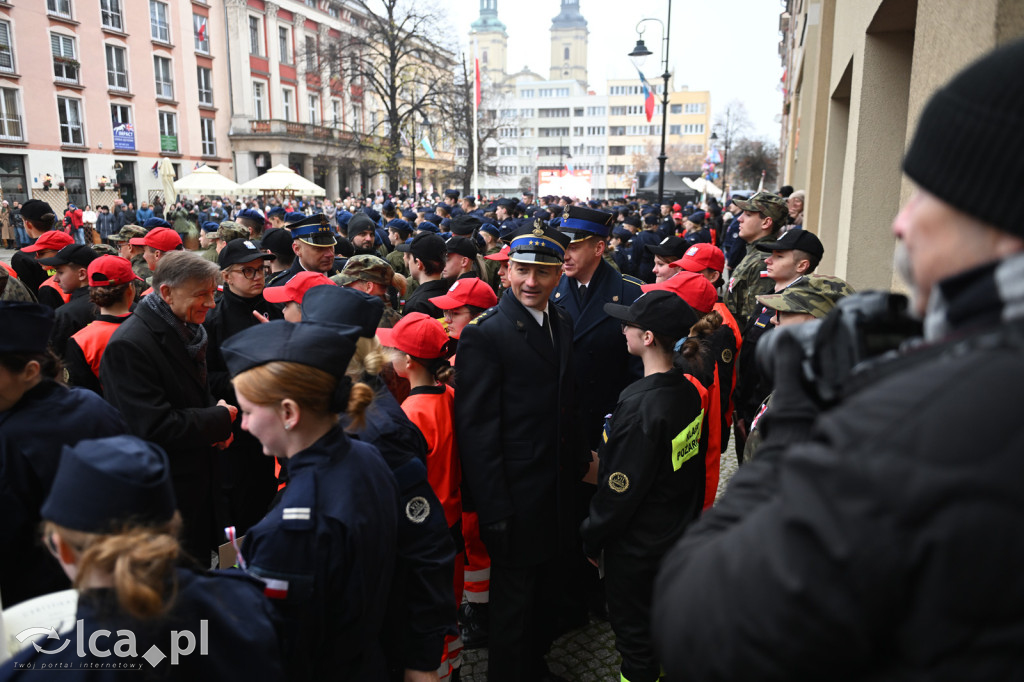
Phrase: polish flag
(275, 589)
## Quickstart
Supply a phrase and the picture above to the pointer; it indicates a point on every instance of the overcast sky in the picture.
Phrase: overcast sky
(729, 47)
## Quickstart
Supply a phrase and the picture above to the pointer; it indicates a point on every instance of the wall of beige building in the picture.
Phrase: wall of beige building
(859, 81)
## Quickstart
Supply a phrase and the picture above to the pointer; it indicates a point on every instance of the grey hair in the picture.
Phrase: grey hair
(177, 267)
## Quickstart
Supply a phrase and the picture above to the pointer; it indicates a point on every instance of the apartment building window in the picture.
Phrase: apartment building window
(12, 177)
(65, 66)
(694, 108)
(617, 111)
(336, 112)
(577, 111)
(617, 151)
(164, 83)
(257, 100)
(204, 77)
(208, 136)
(159, 29)
(526, 113)
(168, 131)
(61, 8)
(201, 34)
(595, 130)
(577, 130)
(287, 101)
(74, 180)
(110, 14)
(526, 132)
(616, 130)
(314, 109)
(509, 151)
(616, 169)
(69, 112)
(526, 94)
(675, 130)
(693, 129)
(10, 115)
(117, 68)
(595, 111)
(6, 48)
(254, 36)
(357, 118)
(676, 109)
(311, 55)
(284, 47)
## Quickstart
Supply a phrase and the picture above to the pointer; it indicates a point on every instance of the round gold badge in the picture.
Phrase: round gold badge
(619, 482)
(726, 356)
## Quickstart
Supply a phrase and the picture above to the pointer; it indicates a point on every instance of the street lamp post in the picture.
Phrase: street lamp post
(638, 56)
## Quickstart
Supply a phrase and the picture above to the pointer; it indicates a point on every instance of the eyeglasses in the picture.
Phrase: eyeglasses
(250, 273)
(452, 314)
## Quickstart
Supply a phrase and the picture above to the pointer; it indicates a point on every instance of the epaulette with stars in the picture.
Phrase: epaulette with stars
(481, 316)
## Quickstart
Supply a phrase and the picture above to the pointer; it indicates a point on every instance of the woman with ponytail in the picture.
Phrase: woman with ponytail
(326, 551)
(111, 523)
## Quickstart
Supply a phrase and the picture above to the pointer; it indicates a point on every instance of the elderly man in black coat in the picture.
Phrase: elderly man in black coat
(514, 429)
(154, 372)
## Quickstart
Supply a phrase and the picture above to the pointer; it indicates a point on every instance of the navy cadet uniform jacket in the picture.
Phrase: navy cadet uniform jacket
(513, 421)
(600, 362)
(651, 477)
(241, 639)
(281, 278)
(421, 606)
(32, 433)
(326, 554)
(643, 259)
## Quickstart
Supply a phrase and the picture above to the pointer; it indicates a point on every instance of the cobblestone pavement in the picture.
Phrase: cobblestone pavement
(587, 654)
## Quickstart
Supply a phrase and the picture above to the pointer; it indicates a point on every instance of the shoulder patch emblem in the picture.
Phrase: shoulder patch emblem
(726, 356)
(417, 509)
(618, 482)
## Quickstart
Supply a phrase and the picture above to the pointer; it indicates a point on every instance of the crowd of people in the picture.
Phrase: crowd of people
(421, 427)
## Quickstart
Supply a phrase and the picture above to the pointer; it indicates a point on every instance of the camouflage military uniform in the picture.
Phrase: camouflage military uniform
(748, 282)
(229, 231)
(12, 289)
(815, 295)
(139, 265)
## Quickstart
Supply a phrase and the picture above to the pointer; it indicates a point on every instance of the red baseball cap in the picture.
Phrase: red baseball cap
(52, 240)
(701, 257)
(699, 293)
(160, 238)
(677, 216)
(296, 287)
(109, 271)
(419, 335)
(501, 256)
(467, 291)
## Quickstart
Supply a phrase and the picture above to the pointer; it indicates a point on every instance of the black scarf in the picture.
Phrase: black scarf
(192, 335)
(986, 296)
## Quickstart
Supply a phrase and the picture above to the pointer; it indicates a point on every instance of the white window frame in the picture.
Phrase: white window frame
(67, 106)
(258, 100)
(311, 57)
(159, 26)
(60, 8)
(167, 124)
(314, 108)
(6, 54)
(113, 74)
(205, 73)
(208, 134)
(337, 112)
(255, 29)
(284, 44)
(201, 46)
(357, 118)
(164, 88)
(9, 118)
(114, 120)
(111, 15)
(288, 104)
(61, 52)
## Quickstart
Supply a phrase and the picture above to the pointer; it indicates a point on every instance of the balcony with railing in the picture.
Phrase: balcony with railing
(306, 131)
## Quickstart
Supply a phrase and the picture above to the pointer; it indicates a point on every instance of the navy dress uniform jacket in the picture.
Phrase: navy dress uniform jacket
(148, 375)
(421, 606)
(241, 638)
(326, 554)
(32, 433)
(600, 362)
(513, 422)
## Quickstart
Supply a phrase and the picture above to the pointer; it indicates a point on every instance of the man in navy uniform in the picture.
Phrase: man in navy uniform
(513, 421)
(313, 244)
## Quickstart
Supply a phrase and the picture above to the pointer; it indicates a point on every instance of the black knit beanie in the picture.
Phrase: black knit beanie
(969, 146)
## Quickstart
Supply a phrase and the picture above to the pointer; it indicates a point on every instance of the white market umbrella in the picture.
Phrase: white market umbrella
(205, 180)
(166, 172)
(281, 178)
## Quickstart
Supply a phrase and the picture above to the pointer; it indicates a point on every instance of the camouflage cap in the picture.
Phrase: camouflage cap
(814, 294)
(128, 232)
(365, 268)
(104, 249)
(230, 230)
(767, 204)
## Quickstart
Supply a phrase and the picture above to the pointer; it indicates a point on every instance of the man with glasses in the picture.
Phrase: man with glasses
(250, 483)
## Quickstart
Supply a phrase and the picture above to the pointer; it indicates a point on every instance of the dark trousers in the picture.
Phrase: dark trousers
(629, 584)
(521, 621)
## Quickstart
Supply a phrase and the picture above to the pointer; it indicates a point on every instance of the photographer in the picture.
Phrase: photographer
(880, 538)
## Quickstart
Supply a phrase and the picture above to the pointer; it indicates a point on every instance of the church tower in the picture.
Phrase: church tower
(569, 44)
(488, 41)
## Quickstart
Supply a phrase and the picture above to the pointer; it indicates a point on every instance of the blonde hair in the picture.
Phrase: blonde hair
(311, 388)
(139, 559)
(370, 358)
